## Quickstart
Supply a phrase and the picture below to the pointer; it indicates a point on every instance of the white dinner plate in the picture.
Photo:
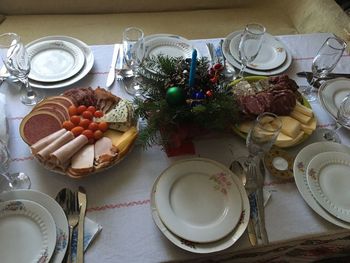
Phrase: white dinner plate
(301, 162)
(56, 212)
(168, 45)
(89, 62)
(332, 92)
(227, 53)
(198, 200)
(27, 232)
(271, 55)
(329, 179)
(54, 60)
(209, 247)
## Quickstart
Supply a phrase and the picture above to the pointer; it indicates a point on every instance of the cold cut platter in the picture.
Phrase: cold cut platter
(279, 95)
(80, 132)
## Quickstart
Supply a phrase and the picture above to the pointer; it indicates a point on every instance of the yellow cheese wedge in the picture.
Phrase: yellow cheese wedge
(245, 126)
(297, 139)
(300, 117)
(282, 138)
(114, 136)
(290, 126)
(310, 126)
(303, 109)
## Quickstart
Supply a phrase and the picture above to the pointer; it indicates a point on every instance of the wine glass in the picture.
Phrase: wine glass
(249, 45)
(134, 51)
(323, 63)
(342, 120)
(16, 61)
(10, 181)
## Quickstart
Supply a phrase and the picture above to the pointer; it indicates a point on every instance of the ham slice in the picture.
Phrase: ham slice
(64, 153)
(42, 143)
(105, 152)
(44, 154)
(83, 160)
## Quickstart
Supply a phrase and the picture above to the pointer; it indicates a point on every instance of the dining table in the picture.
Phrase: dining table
(119, 197)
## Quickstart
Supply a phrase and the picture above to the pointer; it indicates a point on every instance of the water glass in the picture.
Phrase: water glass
(134, 51)
(16, 60)
(250, 44)
(263, 134)
(323, 63)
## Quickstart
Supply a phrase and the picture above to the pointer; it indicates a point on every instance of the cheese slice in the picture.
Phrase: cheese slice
(245, 126)
(290, 126)
(113, 135)
(303, 109)
(282, 138)
(296, 140)
(300, 117)
(310, 126)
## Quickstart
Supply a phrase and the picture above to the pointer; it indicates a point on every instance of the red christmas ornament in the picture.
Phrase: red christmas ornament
(209, 93)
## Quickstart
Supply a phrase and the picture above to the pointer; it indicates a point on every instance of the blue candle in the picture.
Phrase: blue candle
(193, 68)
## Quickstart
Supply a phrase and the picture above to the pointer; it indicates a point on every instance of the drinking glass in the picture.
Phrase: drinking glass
(343, 120)
(16, 61)
(134, 51)
(323, 63)
(249, 45)
(10, 181)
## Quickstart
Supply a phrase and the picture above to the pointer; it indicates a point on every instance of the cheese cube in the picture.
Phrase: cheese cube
(290, 126)
(303, 109)
(310, 126)
(300, 117)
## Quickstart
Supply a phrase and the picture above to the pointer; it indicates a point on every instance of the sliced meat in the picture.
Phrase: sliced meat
(32, 129)
(83, 160)
(41, 144)
(252, 105)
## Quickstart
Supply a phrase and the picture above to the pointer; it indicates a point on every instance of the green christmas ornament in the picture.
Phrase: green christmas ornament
(175, 96)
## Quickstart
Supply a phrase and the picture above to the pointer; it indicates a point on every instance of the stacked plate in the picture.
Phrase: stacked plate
(321, 172)
(331, 94)
(58, 61)
(200, 205)
(168, 45)
(273, 58)
(33, 228)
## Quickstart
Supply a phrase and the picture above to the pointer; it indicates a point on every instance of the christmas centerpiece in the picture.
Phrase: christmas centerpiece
(182, 98)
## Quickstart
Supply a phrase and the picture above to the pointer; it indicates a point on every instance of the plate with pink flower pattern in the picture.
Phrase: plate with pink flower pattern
(198, 200)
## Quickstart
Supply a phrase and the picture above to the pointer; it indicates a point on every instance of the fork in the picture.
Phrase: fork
(73, 218)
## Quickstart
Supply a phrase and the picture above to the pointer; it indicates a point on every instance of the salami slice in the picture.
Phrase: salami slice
(54, 105)
(38, 125)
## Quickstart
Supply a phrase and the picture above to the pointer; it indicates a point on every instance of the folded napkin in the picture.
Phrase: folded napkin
(4, 134)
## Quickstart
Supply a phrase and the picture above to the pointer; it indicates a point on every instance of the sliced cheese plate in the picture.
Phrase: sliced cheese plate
(296, 127)
(86, 131)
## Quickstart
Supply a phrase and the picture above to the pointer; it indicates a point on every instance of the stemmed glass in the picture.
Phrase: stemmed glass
(323, 63)
(10, 181)
(16, 61)
(343, 120)
(249, 45)
(134, 51)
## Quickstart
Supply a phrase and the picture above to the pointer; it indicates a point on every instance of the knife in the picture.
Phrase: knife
(111, 74)
(306, 74)
(260, 205)
(82, 205)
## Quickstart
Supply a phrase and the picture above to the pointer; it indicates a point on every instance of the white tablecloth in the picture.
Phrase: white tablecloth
(119, 199)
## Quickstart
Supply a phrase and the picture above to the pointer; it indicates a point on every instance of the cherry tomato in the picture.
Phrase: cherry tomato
(92, 109)
(75, 119)
(77, 130)
(103, 126)
(89, 134)
(93, 126)
(81, 109)
(84, 123)
(72, 110)
(98, 135)
(68, 125)
(98, 114)
(87, 115)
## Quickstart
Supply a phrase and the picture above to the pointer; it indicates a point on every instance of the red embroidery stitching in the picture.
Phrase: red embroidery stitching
(22, 159)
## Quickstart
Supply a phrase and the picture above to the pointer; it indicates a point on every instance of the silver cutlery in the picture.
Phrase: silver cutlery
(120, 64)
(82, 207)
(260, 201)
(211, 51)
(237, 168)
(111, 74)
(308, 74)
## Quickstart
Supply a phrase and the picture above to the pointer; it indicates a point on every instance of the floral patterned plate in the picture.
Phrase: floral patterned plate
(329, 179)
(54, 209)
(301, 163)
(208, 247)
(27, 232)
(198, 200)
